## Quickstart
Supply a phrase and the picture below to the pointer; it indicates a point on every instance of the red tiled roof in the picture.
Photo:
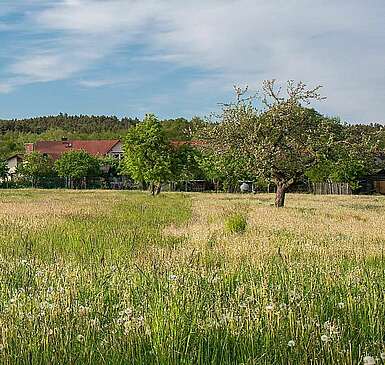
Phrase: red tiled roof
(56, 148)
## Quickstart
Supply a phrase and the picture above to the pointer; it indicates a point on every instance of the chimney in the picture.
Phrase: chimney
(29, 147)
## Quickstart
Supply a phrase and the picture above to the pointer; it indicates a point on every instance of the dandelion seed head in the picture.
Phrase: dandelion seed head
(369, 360)
(324, 338)
(80, 338)
(291, 343)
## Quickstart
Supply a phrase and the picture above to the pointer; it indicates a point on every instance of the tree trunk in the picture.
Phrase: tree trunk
(152, 189)
(280, 195)
(158, 188)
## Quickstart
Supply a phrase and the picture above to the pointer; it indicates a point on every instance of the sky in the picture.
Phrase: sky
(181, 58)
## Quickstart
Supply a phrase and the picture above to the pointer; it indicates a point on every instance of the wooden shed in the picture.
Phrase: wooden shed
(374, 183)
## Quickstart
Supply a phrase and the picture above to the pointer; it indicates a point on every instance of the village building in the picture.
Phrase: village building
(54, 149)
(12, 163)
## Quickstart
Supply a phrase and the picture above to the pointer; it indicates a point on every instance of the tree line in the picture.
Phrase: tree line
(273, 138)
(15, 133)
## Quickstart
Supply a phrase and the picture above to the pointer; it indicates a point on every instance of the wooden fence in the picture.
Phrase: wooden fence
(332, 188)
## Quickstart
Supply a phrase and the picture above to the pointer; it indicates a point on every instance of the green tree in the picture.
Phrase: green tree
(147, 153)
(185, 163)
(351, 157)
(76, 167)
(279, 143)
(3, 170)
(35, 167)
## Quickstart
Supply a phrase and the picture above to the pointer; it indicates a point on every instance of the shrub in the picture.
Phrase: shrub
(235, 223)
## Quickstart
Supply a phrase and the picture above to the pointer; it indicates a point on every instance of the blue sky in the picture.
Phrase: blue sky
(180, 58)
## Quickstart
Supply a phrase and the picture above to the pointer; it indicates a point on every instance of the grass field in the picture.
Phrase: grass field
(124, 278)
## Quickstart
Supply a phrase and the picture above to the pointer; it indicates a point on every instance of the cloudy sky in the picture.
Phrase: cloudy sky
(180, 58)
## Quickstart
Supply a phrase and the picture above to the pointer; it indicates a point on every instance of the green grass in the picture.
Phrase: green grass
(125, 278)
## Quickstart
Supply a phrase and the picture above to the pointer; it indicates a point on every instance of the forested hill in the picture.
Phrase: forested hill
(15, 133)
(65, 122)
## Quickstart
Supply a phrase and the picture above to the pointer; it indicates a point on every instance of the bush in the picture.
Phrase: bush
(235, 223)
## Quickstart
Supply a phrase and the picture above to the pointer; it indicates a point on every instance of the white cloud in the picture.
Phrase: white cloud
(338, 44)
(6, 88)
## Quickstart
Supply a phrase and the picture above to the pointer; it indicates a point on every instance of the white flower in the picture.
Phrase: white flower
(382, 355)
(24, 262)
(173, 277)
(324, 338)
(369, 360)
(269, 307)
(291, 343)
(80, 338)
(341, 305)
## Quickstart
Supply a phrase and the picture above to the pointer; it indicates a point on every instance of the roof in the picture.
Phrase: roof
(94, 147)
(19, 155)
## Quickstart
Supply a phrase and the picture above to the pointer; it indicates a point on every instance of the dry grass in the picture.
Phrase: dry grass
(120, 277)
(328, 227)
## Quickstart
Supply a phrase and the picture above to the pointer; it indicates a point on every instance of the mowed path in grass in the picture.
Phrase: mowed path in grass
(115, 277)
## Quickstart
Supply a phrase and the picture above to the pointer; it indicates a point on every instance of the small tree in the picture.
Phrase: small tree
(3, 170)
(147, 153)
(35, 167)
(77, 166)
(281, 142)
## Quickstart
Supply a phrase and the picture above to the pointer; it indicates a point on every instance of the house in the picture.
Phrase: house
(54, 149)
(12, 163)
(374, 183)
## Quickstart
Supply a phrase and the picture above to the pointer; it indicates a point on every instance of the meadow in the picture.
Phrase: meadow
(116, 277)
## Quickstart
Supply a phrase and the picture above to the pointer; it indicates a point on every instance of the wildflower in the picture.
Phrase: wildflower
(173, 277)
(327, 325)
(83, 310)
(269, 307)
(324, 338)
(369, 360)
(80, 338)
(50, 332)
(382, 355)
(291, 343)
(341, 305)
(24, 262)
(94, 323)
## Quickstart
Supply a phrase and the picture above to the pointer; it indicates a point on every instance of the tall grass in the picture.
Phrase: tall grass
(124, 278)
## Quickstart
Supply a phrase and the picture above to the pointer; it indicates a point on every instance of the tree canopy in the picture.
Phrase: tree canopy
(77, 165)
(147, 153)
(280, 142)
(3, 170)
(35, 167)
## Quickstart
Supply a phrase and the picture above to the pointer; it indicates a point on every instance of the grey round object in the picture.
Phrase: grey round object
(245, 188)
